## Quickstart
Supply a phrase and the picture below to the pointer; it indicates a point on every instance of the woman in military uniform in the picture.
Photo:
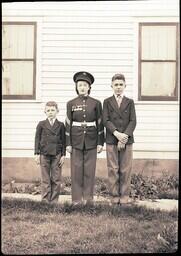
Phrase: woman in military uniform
(84, 138)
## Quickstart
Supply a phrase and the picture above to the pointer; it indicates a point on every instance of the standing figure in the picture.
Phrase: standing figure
(119, 118)
(84, 138)
(50, 152)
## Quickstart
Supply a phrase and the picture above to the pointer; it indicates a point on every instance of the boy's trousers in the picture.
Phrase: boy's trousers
(119, 165)
(83, 165)
(51, 177)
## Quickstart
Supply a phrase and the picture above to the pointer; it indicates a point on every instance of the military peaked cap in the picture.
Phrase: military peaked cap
(83, 76)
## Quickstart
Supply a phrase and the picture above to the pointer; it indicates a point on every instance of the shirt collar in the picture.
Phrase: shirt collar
(83, 96)
(52, 119)
(122, 95)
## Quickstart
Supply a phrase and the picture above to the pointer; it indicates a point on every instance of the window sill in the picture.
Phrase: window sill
(22, 101)
(139, 102)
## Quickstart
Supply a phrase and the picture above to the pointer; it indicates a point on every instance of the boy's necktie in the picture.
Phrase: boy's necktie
(51, 122)
(119, 100)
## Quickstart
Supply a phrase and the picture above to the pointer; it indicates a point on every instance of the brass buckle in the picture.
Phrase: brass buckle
(84, 124)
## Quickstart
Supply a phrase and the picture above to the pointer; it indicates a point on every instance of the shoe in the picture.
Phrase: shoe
(54, 201)
(74, 203)
(89, 202)
(114, 201)
(125, 200)
(45, 201)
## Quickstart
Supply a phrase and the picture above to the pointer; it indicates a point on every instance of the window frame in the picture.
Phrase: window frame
(140, 61)
(34, 60)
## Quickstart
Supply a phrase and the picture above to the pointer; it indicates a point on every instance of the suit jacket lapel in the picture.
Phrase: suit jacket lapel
(114, 104)
(55, 125)
(48, 125)
(124, 103)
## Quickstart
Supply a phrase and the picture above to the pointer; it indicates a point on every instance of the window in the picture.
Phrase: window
(158, 61)
(18, 60)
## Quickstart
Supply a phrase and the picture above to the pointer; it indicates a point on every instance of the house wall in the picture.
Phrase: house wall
(100, 37)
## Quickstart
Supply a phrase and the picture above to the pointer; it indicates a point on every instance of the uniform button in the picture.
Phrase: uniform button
(83, 100)
(84, 131)
(84, 115)
(84, 110)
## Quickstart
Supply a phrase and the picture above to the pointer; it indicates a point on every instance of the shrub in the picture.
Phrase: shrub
(101, 186)
(142, 187)
(165, 186)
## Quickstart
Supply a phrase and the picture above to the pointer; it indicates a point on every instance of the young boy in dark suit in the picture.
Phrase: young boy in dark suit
(50, 152)
(119, 118)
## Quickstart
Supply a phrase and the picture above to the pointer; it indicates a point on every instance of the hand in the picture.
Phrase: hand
(69, 149)
(122, 137)
(99, 148)
(37, 159)
(61, 162)
(121, 145)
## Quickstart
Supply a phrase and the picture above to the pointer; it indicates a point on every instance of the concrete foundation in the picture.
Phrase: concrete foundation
(26, 170)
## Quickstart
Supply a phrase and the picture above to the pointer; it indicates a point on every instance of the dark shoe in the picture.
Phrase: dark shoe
(45, 201)
(54, 201)
(89, 202)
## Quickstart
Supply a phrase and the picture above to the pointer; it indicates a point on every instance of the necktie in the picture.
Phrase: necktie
(51, 122)
(119, 99)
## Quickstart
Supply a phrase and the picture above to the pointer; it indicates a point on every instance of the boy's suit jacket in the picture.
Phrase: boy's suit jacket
(122, 119)
(50, 140)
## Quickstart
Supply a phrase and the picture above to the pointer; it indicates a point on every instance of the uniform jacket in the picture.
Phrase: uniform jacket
(122, 119)
(80, 109)
(50, 140)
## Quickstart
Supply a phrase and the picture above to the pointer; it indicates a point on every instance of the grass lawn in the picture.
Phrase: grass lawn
(30, 227)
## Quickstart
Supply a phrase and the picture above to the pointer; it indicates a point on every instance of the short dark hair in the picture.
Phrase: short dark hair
(52, 104)
(119, 77)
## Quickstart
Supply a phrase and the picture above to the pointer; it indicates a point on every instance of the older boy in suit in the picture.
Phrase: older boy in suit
(119, 118)
(50, 152)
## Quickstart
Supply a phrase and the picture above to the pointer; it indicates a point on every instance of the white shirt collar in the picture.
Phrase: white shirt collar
(122, 95)
(52, 120)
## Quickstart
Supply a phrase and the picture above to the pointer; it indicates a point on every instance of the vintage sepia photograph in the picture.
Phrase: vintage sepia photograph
(90, 127)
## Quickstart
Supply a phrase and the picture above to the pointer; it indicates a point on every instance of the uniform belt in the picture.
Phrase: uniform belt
(83, 123)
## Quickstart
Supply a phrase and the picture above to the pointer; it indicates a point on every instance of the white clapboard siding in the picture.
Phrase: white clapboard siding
(88, 62)
(156, 146)
(52, 31)
(96, 36)
(137, 146)
(139, 139)
(87, 50)
(87, 56)
(87, 37)
(27, 119)
(138, 133)
(93, 25)
(88, 44)
(102, 70)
